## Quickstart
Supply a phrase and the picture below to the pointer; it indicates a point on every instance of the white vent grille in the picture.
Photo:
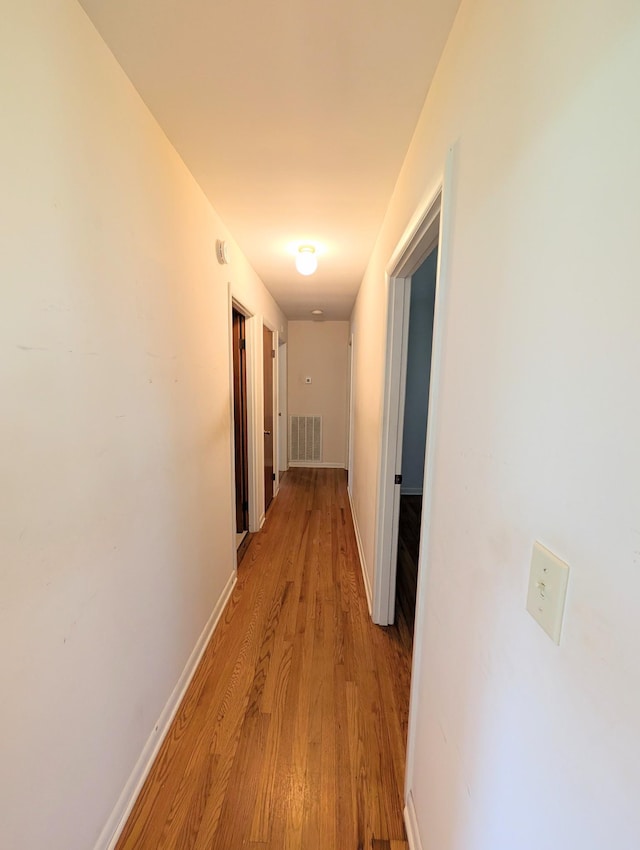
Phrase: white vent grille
(305, 438)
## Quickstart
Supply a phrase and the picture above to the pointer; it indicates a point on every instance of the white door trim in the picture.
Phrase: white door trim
(399, 289)
(283, 407)
(256, 505)
(232, 437)
(274, 405)
(441, 301)
(417, 242)
(423, 233)
(350, 389)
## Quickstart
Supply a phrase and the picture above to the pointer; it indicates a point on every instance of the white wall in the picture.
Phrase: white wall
(522, 744)
(414, 431)
(320, 350)
(115, 517)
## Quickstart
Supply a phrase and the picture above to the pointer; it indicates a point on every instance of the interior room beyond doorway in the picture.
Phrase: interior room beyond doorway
(414, 433)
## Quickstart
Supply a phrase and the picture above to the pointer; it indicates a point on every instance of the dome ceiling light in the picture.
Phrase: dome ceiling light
(306, 260)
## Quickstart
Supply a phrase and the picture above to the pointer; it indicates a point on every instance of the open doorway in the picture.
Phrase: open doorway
(407, 260)
(268, 359)
(241, 451)
(425, 233)
(414, 434)
(428, 231)
(350, 391)
(283, 407)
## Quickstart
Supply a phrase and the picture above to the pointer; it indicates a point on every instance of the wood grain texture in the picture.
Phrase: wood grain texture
(408, 552)
(292, 733)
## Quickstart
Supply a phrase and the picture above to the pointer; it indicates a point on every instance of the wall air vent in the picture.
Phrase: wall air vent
(305, 439)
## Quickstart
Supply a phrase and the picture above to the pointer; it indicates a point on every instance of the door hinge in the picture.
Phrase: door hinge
(398, 479)
(243, 344)
(273, 352)
(273, 476)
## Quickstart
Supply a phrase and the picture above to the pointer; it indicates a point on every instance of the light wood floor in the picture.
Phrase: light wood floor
(292, 734)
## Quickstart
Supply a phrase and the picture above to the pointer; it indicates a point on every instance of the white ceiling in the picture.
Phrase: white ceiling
(293, 116)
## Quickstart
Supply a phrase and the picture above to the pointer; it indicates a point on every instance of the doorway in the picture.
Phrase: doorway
(268, 357)
(283, 408)
(350, 390)
(239, 346)
(408, 258)
(414, 435)
(427, 230)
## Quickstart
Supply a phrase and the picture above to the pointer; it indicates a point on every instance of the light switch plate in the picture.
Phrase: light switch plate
(547, 590)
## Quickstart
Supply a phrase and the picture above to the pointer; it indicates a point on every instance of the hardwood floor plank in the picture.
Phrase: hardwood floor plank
(329, 789)
(345, 805)
(292, 732)
(261, 826)
(183, 831)
(239, 802)
(408, 550)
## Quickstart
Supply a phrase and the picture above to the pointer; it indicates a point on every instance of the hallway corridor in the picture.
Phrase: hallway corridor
(292, 733)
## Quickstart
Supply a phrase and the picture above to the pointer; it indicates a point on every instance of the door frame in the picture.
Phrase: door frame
(275, 434)
(350, 409)
(428, 228)
(282, 357)
(240, 382)
(251, 321)
(443, 285)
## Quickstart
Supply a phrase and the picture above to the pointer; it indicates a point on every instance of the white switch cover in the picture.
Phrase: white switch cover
(547, 590)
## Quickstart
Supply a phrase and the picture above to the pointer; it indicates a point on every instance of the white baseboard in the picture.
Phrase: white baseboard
(363, 566)
(308, 464)
(411, 824)
(411, 491)
(118, 818)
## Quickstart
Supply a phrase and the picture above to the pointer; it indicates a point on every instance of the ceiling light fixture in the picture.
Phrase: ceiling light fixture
(306, 260)
(317, 312)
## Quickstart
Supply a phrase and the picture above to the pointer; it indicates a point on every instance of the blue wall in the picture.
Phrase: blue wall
(423, 294)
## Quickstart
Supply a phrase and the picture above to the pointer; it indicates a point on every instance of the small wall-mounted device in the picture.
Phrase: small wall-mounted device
(307, 380)
(222, 252)
(547, 590)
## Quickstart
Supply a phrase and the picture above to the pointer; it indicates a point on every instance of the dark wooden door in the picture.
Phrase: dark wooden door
(267, 348)
(240, 421)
